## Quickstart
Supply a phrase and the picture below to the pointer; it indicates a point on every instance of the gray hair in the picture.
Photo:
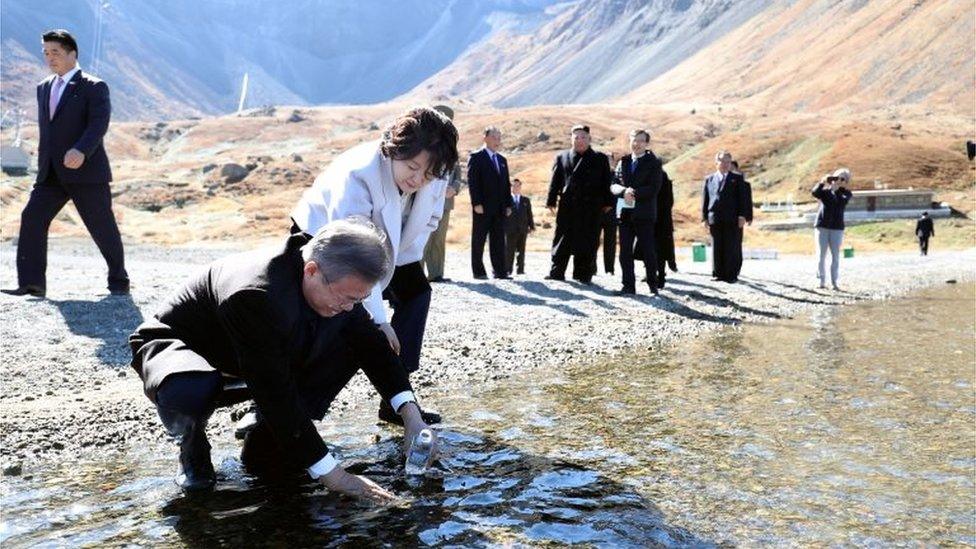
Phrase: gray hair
(722, 154)
(352, 246)
(491, 130)
(843, 173)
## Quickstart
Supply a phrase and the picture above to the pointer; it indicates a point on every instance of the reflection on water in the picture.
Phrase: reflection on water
(853, 425)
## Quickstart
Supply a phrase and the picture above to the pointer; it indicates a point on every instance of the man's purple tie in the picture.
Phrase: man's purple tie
(494, 160)
(55, 96)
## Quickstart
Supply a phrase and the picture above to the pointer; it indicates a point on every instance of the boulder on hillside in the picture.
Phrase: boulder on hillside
(232, 173)
(296, 117)
(542, 137)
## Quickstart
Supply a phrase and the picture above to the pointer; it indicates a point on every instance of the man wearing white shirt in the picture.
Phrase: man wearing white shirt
(73, 112)
(488, 184)
(398, 183)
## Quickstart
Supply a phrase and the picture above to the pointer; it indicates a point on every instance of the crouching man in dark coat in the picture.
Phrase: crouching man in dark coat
(289, 323)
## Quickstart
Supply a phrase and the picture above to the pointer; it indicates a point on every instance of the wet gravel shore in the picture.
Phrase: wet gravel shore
(66, 388)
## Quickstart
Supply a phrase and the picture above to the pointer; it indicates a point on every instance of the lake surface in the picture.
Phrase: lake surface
(853, 425)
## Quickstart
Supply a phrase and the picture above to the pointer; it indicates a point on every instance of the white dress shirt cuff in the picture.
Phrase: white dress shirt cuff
(323, 466)
(400, 399)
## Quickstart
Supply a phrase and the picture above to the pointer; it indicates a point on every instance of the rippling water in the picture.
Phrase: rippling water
(853, 426)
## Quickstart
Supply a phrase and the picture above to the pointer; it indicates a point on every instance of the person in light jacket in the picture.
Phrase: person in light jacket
(398, 183)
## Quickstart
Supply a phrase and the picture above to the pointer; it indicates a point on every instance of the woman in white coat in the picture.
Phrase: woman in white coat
(397, 182)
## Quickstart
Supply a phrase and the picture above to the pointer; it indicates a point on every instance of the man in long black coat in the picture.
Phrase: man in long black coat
(580, 189)
(664, 230)
(287, 322)
(723, 212)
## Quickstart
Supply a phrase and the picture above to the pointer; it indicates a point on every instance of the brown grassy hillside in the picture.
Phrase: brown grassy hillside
(168, 189)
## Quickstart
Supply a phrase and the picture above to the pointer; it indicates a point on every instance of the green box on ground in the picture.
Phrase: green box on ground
(849, 251)
(698, 252)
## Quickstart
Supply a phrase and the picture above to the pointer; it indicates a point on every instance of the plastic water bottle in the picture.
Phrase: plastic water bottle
(420, 453)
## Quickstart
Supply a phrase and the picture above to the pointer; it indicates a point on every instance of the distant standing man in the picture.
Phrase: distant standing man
(723, 212)
(517, 228)
(639, 177)
(436, 248)
(488, 183)
(747, 190)
(579, 193)
(73, 112)
(924, 230)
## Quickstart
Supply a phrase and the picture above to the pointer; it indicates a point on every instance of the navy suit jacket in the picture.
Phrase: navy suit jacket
(646, 182)
(723, 204)
(80, 122)
(488, 187)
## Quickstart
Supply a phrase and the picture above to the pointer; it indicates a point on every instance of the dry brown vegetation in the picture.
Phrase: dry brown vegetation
(168, 188)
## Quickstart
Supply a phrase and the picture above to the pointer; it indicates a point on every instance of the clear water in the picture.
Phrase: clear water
(852, 426)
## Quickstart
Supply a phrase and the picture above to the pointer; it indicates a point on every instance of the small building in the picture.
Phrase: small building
(891, 199)
(14, 160)
(871, 205)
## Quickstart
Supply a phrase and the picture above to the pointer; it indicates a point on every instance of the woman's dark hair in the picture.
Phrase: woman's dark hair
(62, 37)
(423, 129)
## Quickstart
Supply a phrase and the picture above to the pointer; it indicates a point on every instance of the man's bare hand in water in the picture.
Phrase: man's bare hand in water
(343, 482)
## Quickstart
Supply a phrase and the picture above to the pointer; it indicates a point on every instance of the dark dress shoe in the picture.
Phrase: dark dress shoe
(625, 291)
(551, 277)
(502, 277)
(585, 281)
(388, 415)
(35, 291)
(481, 277)
(438, 279)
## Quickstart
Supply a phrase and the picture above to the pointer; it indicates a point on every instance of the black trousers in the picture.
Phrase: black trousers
(923, 245)
(409, 295)
(608, 226)
(490, 226)
(738, 254)
(726, 249)
(578, 236)
(644, 235)
(94, 204)
(515, 248)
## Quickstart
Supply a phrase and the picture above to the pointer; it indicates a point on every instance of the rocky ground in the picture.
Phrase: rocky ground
(66, 388)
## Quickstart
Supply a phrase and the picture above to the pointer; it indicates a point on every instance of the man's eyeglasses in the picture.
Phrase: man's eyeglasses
(344, 301)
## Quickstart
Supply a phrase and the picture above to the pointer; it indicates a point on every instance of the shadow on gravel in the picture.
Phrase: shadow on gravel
(540, 289)
(111, 320)
(763, 289)
(495, 292)
(723, 302)
(666, 303)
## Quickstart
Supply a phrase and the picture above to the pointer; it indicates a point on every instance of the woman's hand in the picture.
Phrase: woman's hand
(340, 481)
(391, 336)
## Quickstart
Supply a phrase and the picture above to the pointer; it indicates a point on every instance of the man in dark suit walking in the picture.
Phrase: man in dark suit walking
(73, 111)
(639, 176)
(517, 228)
(924, 230)
(747, 197)
(289, 324)
(488, 184)
(723, 212)
(580, 188)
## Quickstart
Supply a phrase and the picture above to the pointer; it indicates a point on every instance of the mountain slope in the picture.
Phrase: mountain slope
(184, 58)
(816, 54)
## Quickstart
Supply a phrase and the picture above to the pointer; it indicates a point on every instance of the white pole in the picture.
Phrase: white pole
(240, 104)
